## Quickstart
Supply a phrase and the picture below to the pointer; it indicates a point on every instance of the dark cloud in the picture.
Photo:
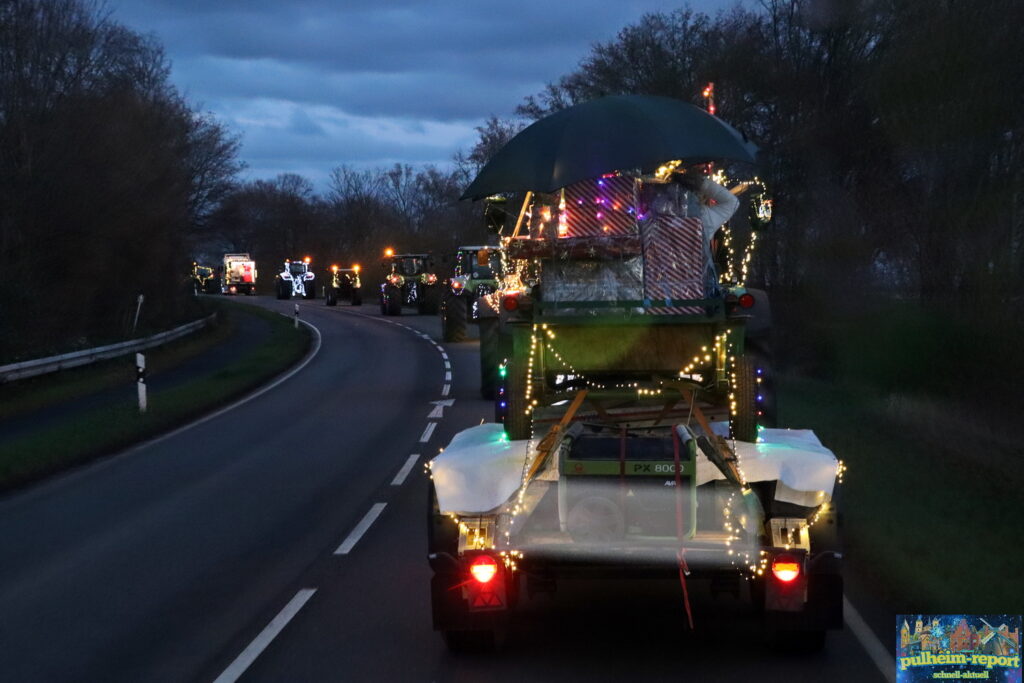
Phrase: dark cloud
(315, 83)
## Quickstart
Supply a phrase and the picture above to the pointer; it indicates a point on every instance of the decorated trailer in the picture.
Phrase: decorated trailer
(238, 275)
(630, 438)
(625, 497)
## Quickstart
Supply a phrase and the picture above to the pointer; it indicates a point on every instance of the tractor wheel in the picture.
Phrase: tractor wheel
(357, 297)
(310, 292)
(283, 292)
(744, 418)
(330, 298)
(454, 314)
(490, 357)
(393, 300)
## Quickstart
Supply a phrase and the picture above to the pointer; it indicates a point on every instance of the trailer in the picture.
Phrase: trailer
(238, 275)
(620, 494)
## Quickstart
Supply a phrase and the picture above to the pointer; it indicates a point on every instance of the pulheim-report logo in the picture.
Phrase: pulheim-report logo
(962, 647)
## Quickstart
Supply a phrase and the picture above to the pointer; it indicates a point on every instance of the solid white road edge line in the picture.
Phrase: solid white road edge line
(62, 479)
(361, 528)
(428, 432)
(446, 389)
(406, 468)
(257, 646)
(245, 399)
(879, 655)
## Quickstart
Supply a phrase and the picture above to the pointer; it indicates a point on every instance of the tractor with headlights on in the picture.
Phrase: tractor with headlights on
(344, 283)
(409, 280)
(296, 279)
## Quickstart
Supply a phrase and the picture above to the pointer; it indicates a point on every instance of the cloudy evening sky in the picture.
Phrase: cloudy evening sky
(312, 84)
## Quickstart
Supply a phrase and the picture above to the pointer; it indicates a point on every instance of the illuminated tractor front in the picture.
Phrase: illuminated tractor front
(475, 274)
(409, 281)
(296, 280)
(344, 283)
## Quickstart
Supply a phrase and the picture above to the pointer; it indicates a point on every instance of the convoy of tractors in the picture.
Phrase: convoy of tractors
(629, 367)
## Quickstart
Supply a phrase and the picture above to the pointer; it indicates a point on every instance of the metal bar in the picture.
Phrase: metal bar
(544, 449)
(42, 366)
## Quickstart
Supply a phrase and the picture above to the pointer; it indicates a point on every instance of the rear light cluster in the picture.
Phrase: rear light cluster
(431, 278)
(483, 569)
(510, 302)
(786, 568)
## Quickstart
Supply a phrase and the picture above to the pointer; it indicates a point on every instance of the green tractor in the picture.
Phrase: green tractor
(409, 280)
(474, 275)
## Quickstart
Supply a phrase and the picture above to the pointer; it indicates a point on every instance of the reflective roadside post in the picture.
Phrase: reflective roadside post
(140, 377)
(296, 316)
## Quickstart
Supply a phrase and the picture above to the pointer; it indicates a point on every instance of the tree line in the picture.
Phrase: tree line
(106, 175)
(891, 134)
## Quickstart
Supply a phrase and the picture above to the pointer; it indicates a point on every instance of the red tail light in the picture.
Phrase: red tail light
(510, 302)
(785, 568)
(746, 300)
(483, 569)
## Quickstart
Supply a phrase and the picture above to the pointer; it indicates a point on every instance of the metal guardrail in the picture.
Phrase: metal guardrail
(42, 366)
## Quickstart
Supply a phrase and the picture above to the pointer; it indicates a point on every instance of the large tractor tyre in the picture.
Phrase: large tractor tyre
(744, 418)
(454, 317)
(490, 357)
(310, 292)
(393, 300)
(760, 356)
(331, 298)
(357, 297)
(518, 422)
(284, 291)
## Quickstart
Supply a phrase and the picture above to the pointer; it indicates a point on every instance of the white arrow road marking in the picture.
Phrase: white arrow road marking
(428, 432)
(361, 528)
(406, 468)
(439, 406)
(257, 646)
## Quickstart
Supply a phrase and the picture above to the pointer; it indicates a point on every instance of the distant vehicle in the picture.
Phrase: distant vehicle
(239, 275)
(344, 284)
(475, 274)
(296, 280)
(408, 281)
(204, 279)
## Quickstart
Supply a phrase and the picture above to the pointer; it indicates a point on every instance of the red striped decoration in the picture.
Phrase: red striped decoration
(600, 206)
(673, 262)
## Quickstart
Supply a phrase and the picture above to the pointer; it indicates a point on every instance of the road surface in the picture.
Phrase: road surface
(284, 540)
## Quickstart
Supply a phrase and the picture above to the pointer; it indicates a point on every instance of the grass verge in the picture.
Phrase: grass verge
(929, 504)
(104, 430)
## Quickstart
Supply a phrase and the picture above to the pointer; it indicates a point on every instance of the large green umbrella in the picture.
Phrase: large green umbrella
(616, 133)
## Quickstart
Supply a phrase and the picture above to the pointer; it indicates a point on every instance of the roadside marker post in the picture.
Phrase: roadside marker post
(140, 377)
(296, 316)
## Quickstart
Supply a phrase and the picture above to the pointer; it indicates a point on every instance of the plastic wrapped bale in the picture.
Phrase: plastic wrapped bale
(565, 282)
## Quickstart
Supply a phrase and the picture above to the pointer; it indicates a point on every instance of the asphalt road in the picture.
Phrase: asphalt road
(285, 541)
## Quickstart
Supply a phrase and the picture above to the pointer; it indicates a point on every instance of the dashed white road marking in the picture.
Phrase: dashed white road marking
(445, 389)
(428, 432)
(361, 528)
(257, 646)
(447, 365)
(406, 468)
(879, 655)
(448, 376)
(443, 354)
